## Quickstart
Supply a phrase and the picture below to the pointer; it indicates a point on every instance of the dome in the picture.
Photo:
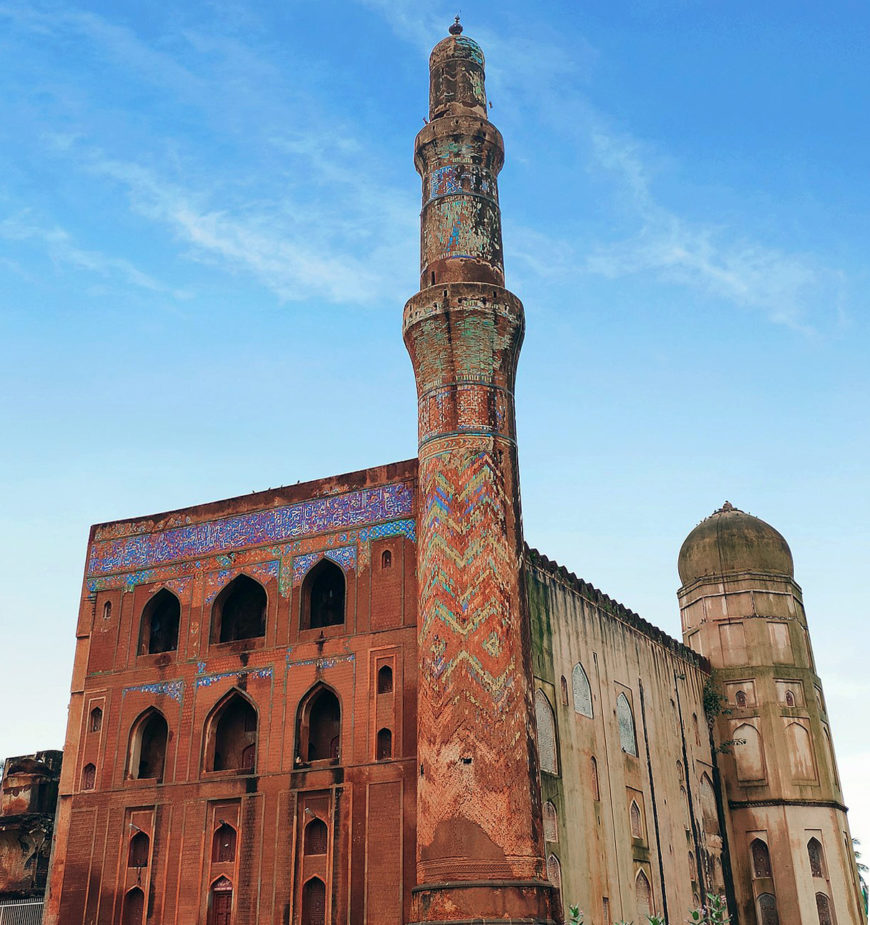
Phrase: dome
(730, 540)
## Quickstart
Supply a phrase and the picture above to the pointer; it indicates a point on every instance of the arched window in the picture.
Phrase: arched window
(386, 559)
(823, 907)
(643, 895)
(323, 596)
(158, 629)
(789, 699)
(760, 858)
(220, 911)
(107, 610)
(563, 687)
(748, 753)
(697, 728)
(223, 844)
(767, 914)
(318, 730)
(231, 740)
(740, 698)
(596, 789)
(239, 611)
(817, 861)
(625, 719)
(314, 902)
(385, 744)
(385, 680)
(95, 723)
(800, 752)
(634, 815)
(554, 871)
(134, 907)
(551, 822)
(148, 747)
(89, 777)
(316, 837)
(547, 750)
(709, 812)
(582, 691)
(138, 850)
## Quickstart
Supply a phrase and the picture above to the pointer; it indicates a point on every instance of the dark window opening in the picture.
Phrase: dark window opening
(107, 610)
(234, 736)
(148, 751)
(823, 907)
(134, 907)
(159, 628)
(760, 859)
(223, 846)
(89, 777)
(634, 813)
(314, 902)
(323, 596)
(386, 559)
(385, 680)
(741, 699)
(814, 850)
(767, 908)
(96, 720)
(433, 277)
(385, 744)
(596, 792)
(316, 837)
(789, 699)
(239, 611)
(318, 732)
(221, 902)
(140, 845)
(563, 683)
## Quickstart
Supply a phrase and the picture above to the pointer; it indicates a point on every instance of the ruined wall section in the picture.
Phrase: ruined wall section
(627, 766)
(361, 788)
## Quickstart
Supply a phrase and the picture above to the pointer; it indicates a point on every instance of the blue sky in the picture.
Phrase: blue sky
(208, 229)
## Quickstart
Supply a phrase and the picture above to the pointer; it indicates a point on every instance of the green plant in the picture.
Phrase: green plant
(714, 913)
(575, 916)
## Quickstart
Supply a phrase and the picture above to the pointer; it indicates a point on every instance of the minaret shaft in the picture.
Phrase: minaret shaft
(479, 842)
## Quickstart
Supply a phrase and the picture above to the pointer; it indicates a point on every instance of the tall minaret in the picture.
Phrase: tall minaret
(791, 854)
(480, 852)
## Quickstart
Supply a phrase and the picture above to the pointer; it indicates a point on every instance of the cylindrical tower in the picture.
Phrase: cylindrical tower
(480, 851)
(791, 852)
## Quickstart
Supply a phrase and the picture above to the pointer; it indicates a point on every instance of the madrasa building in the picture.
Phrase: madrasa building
(364, 699)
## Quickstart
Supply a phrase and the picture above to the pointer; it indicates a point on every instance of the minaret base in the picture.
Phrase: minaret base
(485, 902)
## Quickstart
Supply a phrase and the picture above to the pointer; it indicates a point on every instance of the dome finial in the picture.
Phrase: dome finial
(456, 27)
(727, 506)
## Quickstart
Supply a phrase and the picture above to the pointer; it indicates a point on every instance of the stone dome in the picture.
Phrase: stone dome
(730, 540)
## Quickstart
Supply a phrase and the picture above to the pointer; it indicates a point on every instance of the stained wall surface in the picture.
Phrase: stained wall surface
(264, 804)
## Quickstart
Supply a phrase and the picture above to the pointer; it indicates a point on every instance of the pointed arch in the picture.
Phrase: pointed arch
(158, 626)
(316, 837)
(220, 902)
(318, 725)
(139, 850)
(767, 911)
(95, 721)
(554, 871)
(239, 611)
(323, 596)
(314, 902)
(384, 744)
(134, 907)
(740, 699)
(548, 753)
(625, 720)
(551, 822)
(89, 776)
(223, 844)
(800, 752)
(643, 895)
(385, 680)
(635, 820)
(823, 908)
(709, 812)
(582, 691)
(748, 753)
(816, 857)
(147, 749)
(231, 734)
(760, 858)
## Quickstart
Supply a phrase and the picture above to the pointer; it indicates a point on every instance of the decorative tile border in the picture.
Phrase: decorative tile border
(209, 679)
(329, 662)
(173, 689)
(345, 556)
(215, 582)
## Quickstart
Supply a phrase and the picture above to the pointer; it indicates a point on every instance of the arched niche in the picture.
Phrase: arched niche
(231, 735)
(139, 850)
(760, 859)
(315, 839)
(800, 752)
(133, 912)
(748, 753)
(709, 811)
(323, 596)
(239, 611)
(220, 902)
(548, 753)
(147, 749)
(223, 844)
(318, 726)
(582, 691)
(643, 896)
(158, 626)
(625, 721)
(314, 902)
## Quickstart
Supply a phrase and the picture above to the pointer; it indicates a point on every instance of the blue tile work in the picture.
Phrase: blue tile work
(301, 564)
(329, 662)
(396, 528)
(345, 556)
(209, 679)
(173, 689)
(179, 586)
(320, 515)
(215, 582)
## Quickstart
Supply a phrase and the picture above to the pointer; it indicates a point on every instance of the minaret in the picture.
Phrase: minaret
(791, 853)
(480, 852)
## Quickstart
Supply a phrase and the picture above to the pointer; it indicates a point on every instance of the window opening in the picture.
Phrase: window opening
(319, 727)
(547, 749)
(625, 719)
(634, 813)
(554, 871)
(563, 688)
(386, 559)
(385, 680)
(96, 720)
(107, 610)
(159, 627)
(823, 907)
(643, 894)
(89, 777)
(235, 736)
(760, 858)
(814, 850)
(385, 744)
(239, 611)
(740, 697)
(148, 752)
(140, 845)
(223, 846)
(221, 906)
(316, 837)
(596, 791)
(551, 822)
(582, 691)
(323, 593)
(314, 902)
(789, 699)
(134, 907)
(767, 908)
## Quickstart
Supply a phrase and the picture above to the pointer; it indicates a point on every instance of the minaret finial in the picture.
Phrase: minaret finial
(456, 27)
